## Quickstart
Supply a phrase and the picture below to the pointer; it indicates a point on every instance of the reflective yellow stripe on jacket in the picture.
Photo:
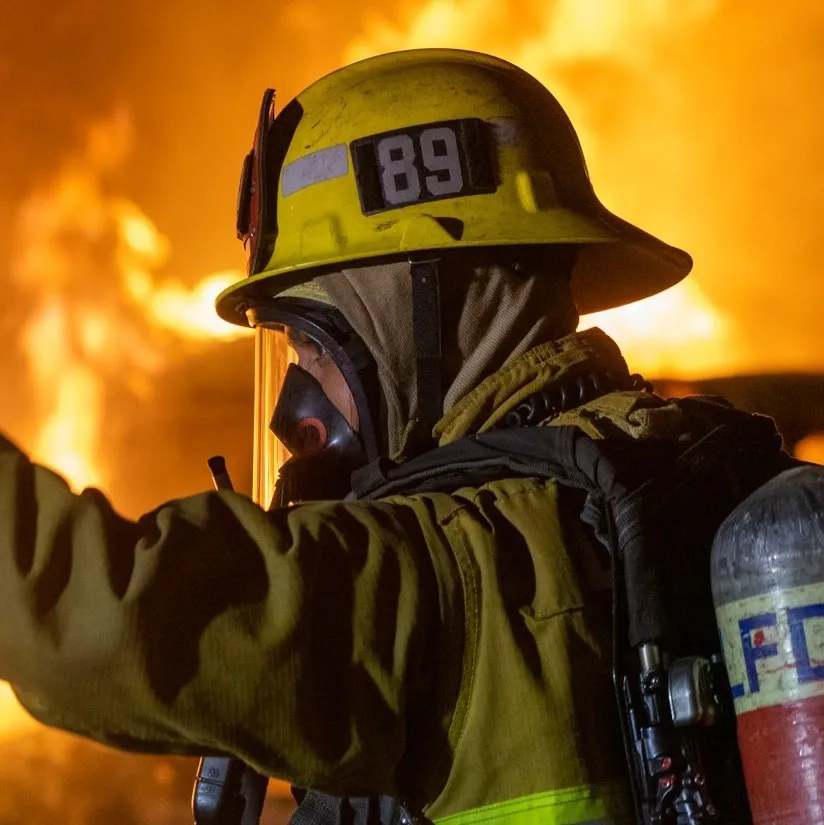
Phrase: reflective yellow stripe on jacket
(585, 805)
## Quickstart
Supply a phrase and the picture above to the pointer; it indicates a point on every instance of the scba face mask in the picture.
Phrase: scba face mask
(314, 405)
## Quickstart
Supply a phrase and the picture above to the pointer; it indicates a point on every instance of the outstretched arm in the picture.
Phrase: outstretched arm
(300, 641)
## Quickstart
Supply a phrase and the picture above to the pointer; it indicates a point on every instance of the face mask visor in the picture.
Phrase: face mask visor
(306, 439)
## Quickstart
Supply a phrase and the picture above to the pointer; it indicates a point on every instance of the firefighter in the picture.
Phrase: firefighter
(422, 235)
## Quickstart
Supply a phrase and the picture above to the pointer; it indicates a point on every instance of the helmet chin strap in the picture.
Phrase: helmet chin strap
(426, 328)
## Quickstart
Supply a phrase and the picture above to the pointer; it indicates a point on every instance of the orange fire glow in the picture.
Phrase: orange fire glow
(679, 333)
(188, 312)
(811, 448)
(12, 718)
(77, 341)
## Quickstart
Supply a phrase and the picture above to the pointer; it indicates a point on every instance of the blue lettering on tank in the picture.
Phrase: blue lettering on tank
(774, 651)
(737, 690)
(795, 618)
(752, 653)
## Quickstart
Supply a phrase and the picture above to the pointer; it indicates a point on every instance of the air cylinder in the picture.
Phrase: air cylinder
(768, 588)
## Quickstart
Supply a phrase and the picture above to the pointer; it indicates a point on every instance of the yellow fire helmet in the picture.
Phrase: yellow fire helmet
(428, 150)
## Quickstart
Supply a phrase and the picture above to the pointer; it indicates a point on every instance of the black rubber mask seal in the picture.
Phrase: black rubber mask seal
(325, 449)
(346, 350)
(308, 423)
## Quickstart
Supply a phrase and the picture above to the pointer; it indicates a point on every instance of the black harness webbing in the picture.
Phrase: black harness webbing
(426, 328)
(665, 498)
(317, 808)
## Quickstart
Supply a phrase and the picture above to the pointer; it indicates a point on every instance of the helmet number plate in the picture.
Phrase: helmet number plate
(448, 159)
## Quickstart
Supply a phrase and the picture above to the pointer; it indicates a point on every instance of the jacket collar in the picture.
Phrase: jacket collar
(541, 368)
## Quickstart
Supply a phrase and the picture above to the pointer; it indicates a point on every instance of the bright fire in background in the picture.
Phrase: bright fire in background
(678, 333)
(77, 342)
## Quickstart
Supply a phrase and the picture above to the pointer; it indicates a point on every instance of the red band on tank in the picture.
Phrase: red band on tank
(782, 748)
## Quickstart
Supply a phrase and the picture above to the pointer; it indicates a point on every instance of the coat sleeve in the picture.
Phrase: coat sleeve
(305, 641)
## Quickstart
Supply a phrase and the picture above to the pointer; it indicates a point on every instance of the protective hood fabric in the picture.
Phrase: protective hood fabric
(491, 315)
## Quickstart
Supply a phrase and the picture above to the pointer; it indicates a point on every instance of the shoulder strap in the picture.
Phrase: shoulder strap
(564, 453)
(656, 505)
(666, 497)
(665, 526)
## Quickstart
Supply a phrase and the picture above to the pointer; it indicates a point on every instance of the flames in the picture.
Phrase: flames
(679, 333)
(87, 262)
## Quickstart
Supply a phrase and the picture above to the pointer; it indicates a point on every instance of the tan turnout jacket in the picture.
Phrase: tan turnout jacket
(449, 649)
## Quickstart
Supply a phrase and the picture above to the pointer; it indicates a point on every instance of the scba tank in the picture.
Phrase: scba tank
(768, 587)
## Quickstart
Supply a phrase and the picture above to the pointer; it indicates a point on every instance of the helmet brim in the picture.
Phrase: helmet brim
(618, 263)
